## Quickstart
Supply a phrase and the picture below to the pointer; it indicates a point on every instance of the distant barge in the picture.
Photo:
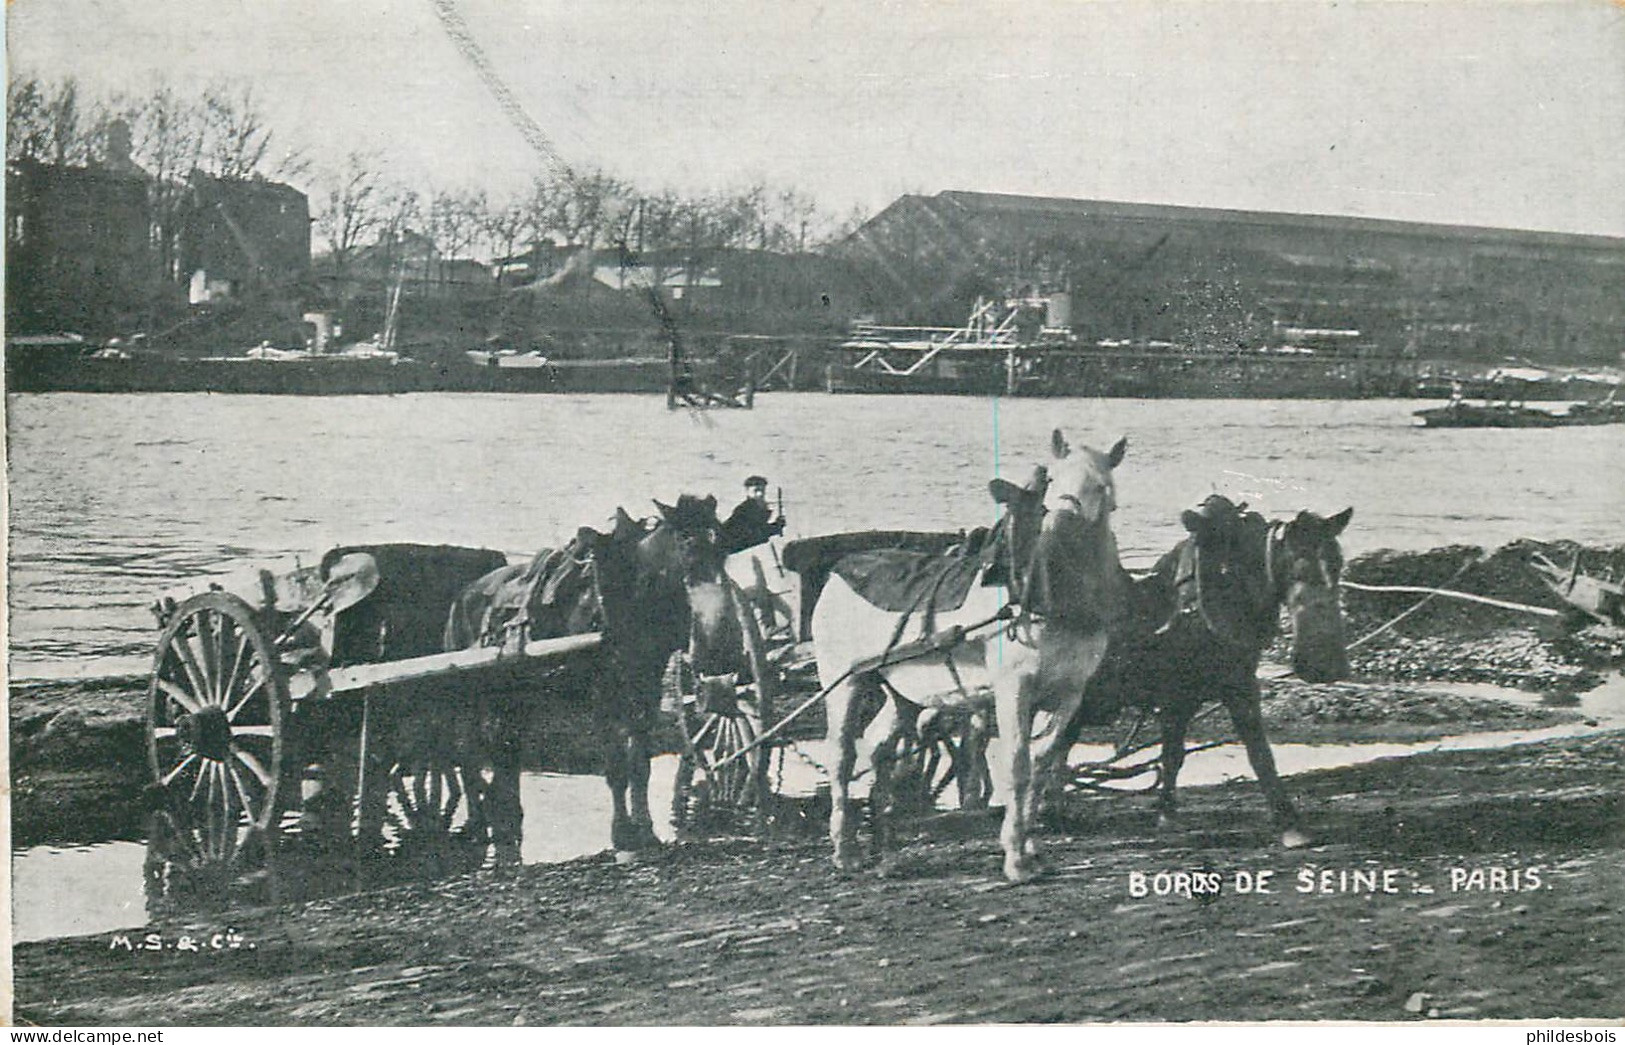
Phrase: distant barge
(1462, 414)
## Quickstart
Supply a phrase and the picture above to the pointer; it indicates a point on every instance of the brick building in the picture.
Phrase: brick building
(105, 249)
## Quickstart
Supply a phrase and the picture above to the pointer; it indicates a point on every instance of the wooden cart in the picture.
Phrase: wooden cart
(307, 710)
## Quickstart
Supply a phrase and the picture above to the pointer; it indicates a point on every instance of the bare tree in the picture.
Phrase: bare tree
(795, 220)
(167, 138)
(236, 136)
(53, 124)
(460, 222)
(350, 209)
(398, 208)
(503, 227)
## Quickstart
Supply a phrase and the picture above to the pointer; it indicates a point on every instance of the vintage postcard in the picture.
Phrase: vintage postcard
(529, 514)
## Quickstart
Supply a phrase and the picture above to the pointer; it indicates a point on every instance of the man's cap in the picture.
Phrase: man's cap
(756, 480)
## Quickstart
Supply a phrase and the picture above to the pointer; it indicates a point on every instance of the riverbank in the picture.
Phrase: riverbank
(1489, 889)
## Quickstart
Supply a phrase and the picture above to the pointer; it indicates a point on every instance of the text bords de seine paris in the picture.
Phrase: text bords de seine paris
(1331, 881)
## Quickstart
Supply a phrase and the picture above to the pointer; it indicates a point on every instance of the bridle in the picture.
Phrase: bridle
(1020, 575)
(1274, 544)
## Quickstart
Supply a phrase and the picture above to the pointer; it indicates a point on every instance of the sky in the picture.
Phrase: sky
(1466, 112)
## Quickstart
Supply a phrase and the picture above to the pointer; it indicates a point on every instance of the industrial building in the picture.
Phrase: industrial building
(1206, 280)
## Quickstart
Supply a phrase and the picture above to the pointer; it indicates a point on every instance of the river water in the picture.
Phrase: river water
(114, 499)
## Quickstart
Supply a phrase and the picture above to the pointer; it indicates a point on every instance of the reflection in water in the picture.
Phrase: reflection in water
(70, 891)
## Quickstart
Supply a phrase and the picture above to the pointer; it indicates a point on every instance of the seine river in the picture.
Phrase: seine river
(114, 499)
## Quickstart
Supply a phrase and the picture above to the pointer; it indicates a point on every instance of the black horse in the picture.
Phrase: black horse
(1202, 620)
(649, 588)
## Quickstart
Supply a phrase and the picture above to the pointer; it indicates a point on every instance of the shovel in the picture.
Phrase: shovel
(352, 578)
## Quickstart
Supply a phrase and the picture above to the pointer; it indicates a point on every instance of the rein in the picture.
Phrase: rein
(1275, 537)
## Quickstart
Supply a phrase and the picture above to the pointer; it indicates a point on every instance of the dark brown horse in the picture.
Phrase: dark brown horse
(649, 588)
(1202, 620)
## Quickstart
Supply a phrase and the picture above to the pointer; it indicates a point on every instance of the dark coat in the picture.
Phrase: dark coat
(750, 524)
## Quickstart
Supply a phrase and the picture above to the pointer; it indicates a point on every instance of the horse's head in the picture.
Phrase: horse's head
(1081, 489)
(659, 580)
(1250, 568)
(1306, 566)
(1057, 530)
(686, 545)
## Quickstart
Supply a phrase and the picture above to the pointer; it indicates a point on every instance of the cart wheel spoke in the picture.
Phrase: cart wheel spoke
(195, 677)
(246, 793)
(180, 696)
(253, 764)
(207, 653)
(234, 673)
(169, 777)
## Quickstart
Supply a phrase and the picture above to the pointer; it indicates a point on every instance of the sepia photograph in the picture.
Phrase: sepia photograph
(533, 513)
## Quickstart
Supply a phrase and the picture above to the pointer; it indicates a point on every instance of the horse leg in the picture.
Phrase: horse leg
(1249, 723)
(499, 800)
(970, 766)
(1174, 721)
(642, 823)
(617, 774)
(880, 742)
(843, 729)
(1049, 751)
(1013, 706)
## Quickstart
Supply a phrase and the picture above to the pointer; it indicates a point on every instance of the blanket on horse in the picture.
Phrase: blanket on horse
(539, 596)
(923, 583)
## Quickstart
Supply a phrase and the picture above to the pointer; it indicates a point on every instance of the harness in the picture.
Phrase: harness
(1018, 616)
(1190, 591)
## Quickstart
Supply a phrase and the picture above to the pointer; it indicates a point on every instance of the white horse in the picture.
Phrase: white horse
(1032, 630)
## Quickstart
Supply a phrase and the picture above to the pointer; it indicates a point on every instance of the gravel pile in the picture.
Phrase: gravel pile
(1448, 639)
(1292, 702)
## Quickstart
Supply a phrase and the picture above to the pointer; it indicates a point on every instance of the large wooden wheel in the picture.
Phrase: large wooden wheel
(721, 769)
(216, 704)
(949, 752)
(428, 798)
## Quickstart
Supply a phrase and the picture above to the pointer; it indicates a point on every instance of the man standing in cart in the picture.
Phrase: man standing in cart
(752, 522)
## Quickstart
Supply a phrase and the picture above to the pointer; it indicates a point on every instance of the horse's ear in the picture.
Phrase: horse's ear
(625, 524)
(711, 504)
(1340, 520)
(665, 510)
(1115, 457)
(1057, 444)
(1004, 491)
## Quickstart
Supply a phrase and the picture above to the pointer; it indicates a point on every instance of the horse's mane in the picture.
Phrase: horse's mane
(692, 513)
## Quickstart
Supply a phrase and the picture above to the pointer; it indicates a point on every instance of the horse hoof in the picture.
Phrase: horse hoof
(1295, 839)
(1019, 872)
